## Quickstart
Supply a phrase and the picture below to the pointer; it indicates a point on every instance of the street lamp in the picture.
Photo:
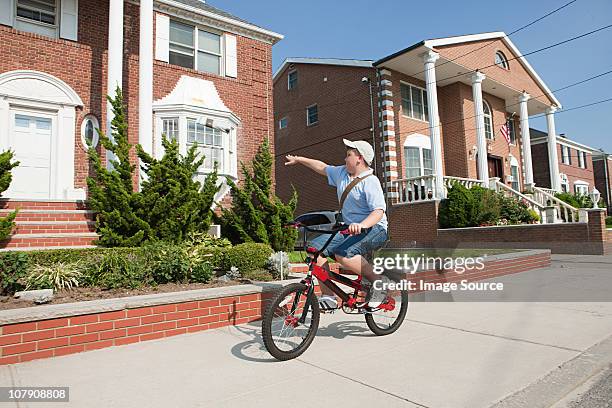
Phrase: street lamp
(595, 197)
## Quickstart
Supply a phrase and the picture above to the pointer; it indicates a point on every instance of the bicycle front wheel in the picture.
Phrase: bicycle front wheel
(290, 321)
(390, 316)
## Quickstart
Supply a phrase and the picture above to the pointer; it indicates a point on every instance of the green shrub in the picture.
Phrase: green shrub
(201, 273)
(456, 211)
(57, 276)
(204, 239)
(247, 257)
(117, 269)
(609, 222)
(486, 206)
(6, 165)
(13, 271)
(515, 211)
(167, 263)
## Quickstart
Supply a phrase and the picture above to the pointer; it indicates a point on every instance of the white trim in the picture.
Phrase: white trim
(392, 194)
(581, 183)
(72, 98)
(388, 123)
(386, 82)
(237, 23)
(96, 125)
(489, 36)
(387, 112)
(391, 173)
(390, 143)
(321, 61)
(391, 163)
(387, 102)
(566, 142)
(390, 153)
(388, 133)
(387, 93)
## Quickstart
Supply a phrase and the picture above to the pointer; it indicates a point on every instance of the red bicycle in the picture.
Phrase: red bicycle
(291, 319)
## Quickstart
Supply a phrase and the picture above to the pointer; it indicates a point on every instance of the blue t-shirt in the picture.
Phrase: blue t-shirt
(364, 198)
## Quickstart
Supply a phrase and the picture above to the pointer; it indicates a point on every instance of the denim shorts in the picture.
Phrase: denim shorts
(348, 246)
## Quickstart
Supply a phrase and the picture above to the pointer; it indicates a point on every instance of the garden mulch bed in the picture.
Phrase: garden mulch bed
(93, 293)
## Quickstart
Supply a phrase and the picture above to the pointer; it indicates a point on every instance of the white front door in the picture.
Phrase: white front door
(30, 138)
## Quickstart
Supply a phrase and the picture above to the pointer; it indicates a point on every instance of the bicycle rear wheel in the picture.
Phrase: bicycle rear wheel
(390, 316)
(290, 321)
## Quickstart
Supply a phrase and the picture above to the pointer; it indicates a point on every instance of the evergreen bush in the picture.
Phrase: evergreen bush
(6, 165)
(257, 214)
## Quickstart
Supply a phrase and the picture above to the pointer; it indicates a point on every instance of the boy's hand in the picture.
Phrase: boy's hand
(291, 160)
(355, 229)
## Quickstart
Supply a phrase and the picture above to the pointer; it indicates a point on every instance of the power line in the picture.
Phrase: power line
(508, 35)
(493, 125)
(532, 52)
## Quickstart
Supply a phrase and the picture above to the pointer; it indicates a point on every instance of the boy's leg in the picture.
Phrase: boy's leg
(322, 262)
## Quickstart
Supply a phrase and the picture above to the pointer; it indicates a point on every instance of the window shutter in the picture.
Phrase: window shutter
(231, 56)
(7, 18)
(162, 38)
(69, 19)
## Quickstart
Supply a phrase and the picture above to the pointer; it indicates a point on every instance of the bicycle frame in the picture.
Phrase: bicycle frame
(325, 276)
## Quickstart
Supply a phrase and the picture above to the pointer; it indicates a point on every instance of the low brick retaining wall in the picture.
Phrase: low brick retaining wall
(56, 330)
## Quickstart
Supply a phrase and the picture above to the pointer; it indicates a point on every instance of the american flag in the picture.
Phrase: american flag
(505, 132)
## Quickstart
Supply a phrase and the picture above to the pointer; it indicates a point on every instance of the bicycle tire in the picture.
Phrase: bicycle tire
(380, 331)
(269, 314)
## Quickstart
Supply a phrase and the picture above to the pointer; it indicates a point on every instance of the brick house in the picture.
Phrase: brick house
(602, 165)
(187, 69)
(573, 170)
(439, 108)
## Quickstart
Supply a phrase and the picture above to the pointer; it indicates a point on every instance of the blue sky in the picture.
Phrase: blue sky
(364, 29)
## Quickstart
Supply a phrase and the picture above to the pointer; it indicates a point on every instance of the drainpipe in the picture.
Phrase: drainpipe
(607, 179)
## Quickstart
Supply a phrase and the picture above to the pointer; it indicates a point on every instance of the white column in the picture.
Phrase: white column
(430, 58)
(481, 142)
(115, 60)
(523, 98)
(145, 78)
(553, 158)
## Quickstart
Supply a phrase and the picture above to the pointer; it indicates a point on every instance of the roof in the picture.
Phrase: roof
(440, 42)
(539, 136)
(323, 61)
(200, 7)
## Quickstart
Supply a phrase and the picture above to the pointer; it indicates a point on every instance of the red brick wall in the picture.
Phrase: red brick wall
(573, 172)
(413, 224)
(599, 173)
(568, 238)
(83, 66)
(344, 112)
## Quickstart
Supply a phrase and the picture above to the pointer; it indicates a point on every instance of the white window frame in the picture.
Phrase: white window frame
(289, 86)
(282, 123)
(582, 160)
(196, 47)
(565, 186)
(425, 111)
(308, 122)
(96, 125)
(175, 130)
(220, 148)
(488, 120)
(503, 63)
(26, 21)
(565, 155)
(581, 187)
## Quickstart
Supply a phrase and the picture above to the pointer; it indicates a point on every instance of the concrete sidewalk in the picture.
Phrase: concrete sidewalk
(447, 354)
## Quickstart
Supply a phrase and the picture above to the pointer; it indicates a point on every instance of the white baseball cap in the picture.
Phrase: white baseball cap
(363, 147)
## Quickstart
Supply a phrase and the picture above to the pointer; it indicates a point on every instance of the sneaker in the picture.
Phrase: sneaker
(327, 302)
(377, 296)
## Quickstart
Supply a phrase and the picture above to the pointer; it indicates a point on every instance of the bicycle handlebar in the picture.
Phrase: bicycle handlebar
(338, 227)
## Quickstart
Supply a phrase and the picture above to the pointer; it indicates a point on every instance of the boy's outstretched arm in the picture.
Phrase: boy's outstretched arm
(316, 165)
